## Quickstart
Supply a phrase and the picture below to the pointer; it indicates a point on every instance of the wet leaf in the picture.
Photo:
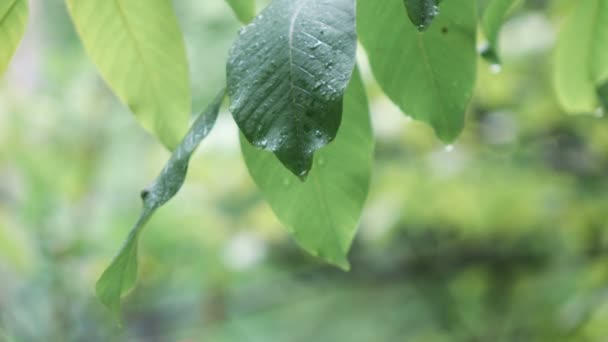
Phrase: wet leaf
(430, 76)
(323, 213)
(120, 276)
(286, 76)
(422, 12)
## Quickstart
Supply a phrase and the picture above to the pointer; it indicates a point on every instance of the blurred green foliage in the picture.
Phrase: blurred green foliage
(502, 238)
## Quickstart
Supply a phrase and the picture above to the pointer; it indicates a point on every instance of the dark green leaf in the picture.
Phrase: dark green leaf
(13, 17)
(244, 9)
(323, 212)
(139, 50)
(493, 14)
(430, 76)
(120, 276)
(422, 12)
(287, 73)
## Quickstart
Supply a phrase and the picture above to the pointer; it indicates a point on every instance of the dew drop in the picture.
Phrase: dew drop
(315, 45)
(262, 143)
(449, 148)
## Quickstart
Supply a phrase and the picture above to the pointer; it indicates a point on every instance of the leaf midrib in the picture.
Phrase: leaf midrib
(435, 85)
(8, 11)
(292, 25)
(147, 70)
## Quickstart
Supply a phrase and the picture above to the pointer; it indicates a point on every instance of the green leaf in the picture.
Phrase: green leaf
(493, 14)
(581, 56)
(429, 75)
(13, 17)
(422, 12)
(286, 76)
(244, 9)
(323, 213)
(120, 276)
(139, 50)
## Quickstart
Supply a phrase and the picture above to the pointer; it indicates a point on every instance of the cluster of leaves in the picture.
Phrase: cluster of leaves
(298, 99)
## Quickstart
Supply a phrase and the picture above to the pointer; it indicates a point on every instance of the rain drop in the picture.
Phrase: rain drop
(449, 148)
(495, 68)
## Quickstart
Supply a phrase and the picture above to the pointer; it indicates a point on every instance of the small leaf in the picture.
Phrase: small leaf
(286, 76)
(430, 76)
(13, 17)
(323, 213)
(139, 50)
(492, 17)
(120, 276)
(581, 56)
(244, 9)
(422, 12)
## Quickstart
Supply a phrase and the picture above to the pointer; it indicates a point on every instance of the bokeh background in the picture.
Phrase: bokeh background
(501, 237)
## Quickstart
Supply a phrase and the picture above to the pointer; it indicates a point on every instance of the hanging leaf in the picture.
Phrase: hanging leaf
(581, 56)
(493, 14)
(13, 17)
(430, 76)
(244, 9)
(422, 12)
(323, 212)
(139, 50)
(120, 276)
(286, 76)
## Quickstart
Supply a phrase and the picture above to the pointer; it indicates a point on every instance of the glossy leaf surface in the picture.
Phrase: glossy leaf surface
(429, 75)
(120, 276)
(422, 12)
(139, 50)
(13, 17)
(287, 73)
(323, 213)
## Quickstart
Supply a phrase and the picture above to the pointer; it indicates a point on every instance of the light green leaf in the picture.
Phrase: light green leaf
(599, 46)
(139, 50)
(286, 76)
(422, 12)
(120, 276)
(581, 56)
(13, 17)
(323, 213)
(493, 14)
(429, 75)
(244, 9)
